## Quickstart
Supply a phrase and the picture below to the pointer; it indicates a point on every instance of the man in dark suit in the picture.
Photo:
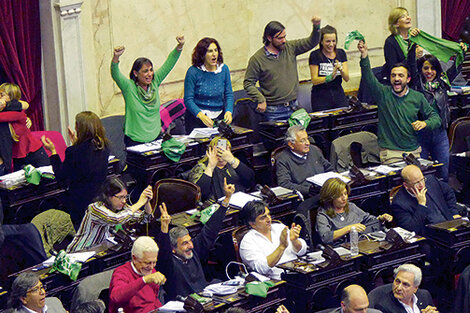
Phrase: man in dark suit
(423, 200)
(354, 300)
(403, 295)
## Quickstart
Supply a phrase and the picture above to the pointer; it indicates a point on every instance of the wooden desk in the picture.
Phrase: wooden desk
(149, 167)
(315, 287)
(250, 303)
(325, 128)
(22, 203)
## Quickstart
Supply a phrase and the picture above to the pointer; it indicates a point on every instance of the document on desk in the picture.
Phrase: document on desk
(320, 179)
(203, 132)
(239, 199)
(384, 169)
(172, 306)
(278, 191)
(74, 257)
(146, 147)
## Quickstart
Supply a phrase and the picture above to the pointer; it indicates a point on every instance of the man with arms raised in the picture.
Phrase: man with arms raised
(182, 256)
(135, 285)
(399, 109)
(422, 200)
(265, 245)
(403, 296)
(275, 67)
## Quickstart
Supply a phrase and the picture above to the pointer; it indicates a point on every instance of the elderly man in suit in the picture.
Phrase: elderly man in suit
(423, 200)
(403, 295)
(28, 295)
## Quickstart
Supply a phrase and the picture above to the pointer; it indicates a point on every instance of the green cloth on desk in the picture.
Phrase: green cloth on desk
(258, 288)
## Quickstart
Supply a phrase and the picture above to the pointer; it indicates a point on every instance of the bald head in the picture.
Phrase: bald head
(413, 178)
(354, 299)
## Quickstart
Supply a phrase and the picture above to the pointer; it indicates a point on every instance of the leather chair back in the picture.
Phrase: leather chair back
(179, 195)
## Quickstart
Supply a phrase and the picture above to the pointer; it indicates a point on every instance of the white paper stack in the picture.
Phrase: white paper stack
(320, 179)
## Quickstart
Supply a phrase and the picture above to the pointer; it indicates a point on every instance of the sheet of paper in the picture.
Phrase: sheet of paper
(203, 132)
(146, 147)
(172, 306)
(278, 191)
(239, 199)
(320, 179)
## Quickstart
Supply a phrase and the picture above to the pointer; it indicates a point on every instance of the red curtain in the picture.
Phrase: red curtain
(453, 14)
(20, 52)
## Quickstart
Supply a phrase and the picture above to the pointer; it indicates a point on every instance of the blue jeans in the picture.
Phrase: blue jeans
(435, 143)
(279, 112)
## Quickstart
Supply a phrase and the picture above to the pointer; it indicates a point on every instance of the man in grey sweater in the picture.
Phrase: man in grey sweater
(275, 67)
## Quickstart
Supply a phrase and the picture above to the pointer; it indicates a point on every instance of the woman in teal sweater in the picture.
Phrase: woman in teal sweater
(140, 92)
(208, 92)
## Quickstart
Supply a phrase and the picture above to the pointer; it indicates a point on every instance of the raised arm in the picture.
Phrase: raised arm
(303, 45)
(170, 62)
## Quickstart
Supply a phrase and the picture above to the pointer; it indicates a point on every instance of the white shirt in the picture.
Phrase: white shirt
(44, 309)
(255, 247)
(410, 309)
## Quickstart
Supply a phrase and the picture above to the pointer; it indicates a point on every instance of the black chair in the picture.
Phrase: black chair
(304, 96)
(114, 126)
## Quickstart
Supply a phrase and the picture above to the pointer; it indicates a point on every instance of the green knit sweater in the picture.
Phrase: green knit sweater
(396, 114)
(143, 123)
(278, 78)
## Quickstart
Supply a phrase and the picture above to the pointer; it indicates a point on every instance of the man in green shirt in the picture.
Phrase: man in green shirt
(275, 67)
(400, 109)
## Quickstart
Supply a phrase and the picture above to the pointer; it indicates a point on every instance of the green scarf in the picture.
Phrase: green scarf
(148, 96)
(351, 36)
(442, 49)
(403, 45)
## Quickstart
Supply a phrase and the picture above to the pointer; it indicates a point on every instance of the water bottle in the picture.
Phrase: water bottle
(353, 238)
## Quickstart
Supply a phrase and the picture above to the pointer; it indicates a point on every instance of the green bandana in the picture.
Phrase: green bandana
(32, 174)
(351, 36)
(148, 96)
(173, 149)
(63, 265)
(442, 49)
(299, 117)
(257, 288)
(403, 45)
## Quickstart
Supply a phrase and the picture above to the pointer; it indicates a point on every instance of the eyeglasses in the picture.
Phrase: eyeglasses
(421, 181)
(37, 289)
(122, 198)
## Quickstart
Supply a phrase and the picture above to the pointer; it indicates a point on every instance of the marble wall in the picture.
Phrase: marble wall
(148, 28)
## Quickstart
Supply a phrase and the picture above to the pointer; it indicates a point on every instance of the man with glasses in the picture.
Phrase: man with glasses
(274, 66)
(135, 285)
(422, 200)
(28, 295)
(300, 161)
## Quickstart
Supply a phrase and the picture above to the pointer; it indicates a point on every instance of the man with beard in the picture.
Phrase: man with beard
(181, 257)
(275, 67)
(399, 109)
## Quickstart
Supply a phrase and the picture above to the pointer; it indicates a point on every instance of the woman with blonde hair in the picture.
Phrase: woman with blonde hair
(26, 149)
(219, 164)
(337, 216)
(398, 47)
(85, 165)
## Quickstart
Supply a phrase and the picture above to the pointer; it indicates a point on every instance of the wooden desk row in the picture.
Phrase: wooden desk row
(22, 203)
(149, 167)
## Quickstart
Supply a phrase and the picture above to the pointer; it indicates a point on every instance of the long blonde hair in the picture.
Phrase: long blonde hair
(393, 18)
(213, 144)
(12, 90)
(332, 189)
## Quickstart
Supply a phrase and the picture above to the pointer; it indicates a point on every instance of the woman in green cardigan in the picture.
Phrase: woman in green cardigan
(140, 92)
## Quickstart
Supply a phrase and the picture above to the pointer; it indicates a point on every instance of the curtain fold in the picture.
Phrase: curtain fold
(453, 14)
(20, 52)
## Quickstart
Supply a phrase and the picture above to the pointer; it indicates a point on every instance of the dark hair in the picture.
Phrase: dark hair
(401, 64)
(251, 211)
(199, 53)
(328, 30)
(94, 306)
(436, 65)
(271, 30)
(89, 126)
(111, 187)
(137, 66)
(20, 287)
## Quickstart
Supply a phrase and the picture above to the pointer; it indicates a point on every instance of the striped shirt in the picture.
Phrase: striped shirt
(97, 222)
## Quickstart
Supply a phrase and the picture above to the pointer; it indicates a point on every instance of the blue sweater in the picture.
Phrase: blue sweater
(208, 90)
